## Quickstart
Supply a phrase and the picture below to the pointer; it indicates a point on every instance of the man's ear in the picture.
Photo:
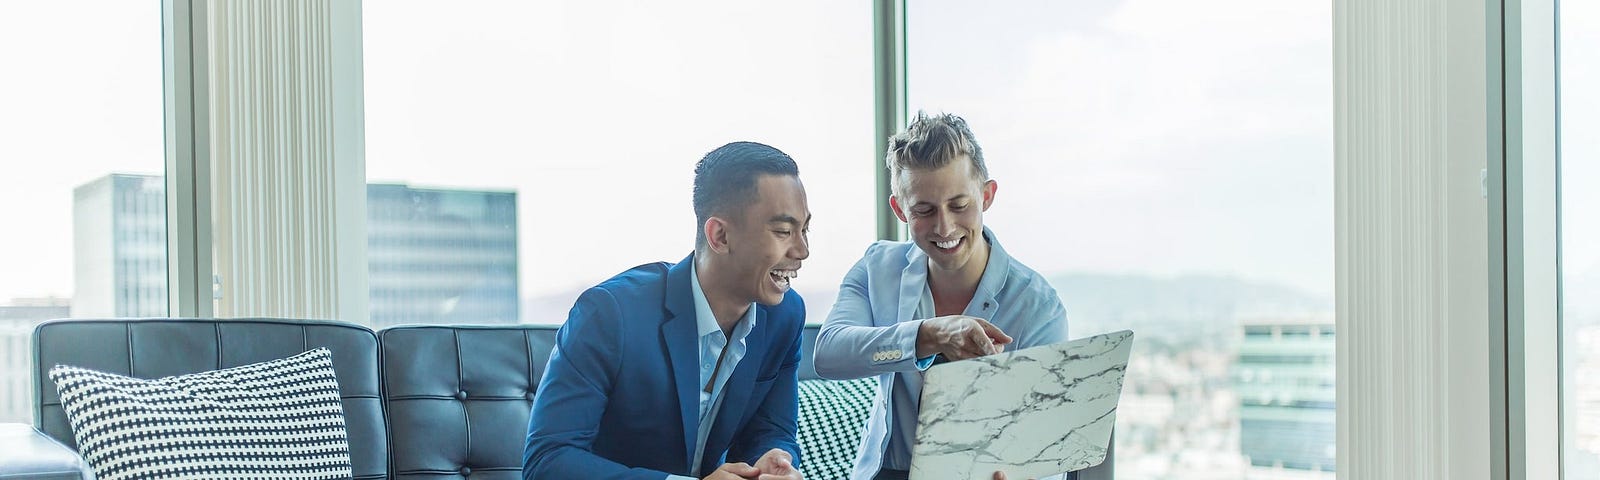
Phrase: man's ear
(716, 234)
(989, 188)
(894, 204)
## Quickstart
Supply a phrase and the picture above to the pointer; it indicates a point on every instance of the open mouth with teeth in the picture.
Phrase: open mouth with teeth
(948, 246)
(781, 277)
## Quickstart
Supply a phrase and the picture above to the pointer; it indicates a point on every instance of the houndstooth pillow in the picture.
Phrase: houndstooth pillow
(833, 416)
(279, 419)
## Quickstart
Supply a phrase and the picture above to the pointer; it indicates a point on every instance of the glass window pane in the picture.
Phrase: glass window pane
(81, 141)
(1580, 237)
(519, 152)
(1168, 164)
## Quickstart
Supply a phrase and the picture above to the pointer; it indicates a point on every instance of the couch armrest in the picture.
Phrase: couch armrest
(28, 454)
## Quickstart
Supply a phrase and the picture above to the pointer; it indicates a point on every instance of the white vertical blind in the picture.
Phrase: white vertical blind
(287, 202)
(1411, 239)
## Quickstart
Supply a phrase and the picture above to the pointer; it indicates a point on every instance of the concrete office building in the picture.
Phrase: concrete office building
(119, 242)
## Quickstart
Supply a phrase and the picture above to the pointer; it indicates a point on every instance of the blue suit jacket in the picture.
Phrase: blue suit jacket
(620, 394)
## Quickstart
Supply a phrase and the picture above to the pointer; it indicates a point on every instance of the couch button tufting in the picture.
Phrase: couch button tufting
(529, 396)
(466, 471)
(461, 395)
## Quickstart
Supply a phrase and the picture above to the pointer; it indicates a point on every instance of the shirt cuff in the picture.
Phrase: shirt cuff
(680, 477)
(909, 344)
(925, 362)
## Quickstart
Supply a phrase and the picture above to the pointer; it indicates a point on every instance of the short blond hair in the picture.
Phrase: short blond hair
(931, 142)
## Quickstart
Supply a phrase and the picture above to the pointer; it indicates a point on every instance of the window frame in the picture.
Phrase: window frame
(1524, 238)
(186, 99)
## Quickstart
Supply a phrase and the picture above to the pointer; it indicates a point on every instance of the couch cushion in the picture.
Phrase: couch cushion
(164, 347)
(833, 415)
(458, 397)
(275, 419)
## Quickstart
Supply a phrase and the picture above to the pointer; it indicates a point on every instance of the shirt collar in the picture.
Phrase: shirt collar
(994, 272)
(704, 320)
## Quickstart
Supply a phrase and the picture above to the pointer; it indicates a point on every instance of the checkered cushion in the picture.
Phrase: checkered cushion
(279, 419)
(833, 416)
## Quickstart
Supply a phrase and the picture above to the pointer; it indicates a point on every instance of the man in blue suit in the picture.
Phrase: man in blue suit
(951, 293)
(687, 370)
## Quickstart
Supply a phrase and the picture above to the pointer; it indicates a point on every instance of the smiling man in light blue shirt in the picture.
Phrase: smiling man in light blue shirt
(951, 292)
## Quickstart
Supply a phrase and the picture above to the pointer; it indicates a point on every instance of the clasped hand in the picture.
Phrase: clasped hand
(773, 465)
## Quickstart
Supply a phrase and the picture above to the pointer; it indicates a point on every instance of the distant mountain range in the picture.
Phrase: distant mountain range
(1181, 309)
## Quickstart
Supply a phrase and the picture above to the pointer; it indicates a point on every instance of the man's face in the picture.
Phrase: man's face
(944, 208)
(766, 245)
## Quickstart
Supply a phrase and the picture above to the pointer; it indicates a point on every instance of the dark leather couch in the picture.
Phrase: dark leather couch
(420, 402)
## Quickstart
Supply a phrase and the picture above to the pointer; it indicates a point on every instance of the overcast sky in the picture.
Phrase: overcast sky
(1138, 136)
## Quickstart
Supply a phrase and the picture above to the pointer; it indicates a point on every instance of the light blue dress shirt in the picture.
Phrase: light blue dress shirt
(712, 342)
(872, 330)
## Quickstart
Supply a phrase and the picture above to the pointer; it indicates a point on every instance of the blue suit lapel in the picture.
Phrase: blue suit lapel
(679, 332)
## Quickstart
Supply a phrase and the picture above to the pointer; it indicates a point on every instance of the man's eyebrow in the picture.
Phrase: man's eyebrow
(930, 202)
(787, 218)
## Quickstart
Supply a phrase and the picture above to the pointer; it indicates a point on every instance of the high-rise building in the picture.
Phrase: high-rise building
(16, 360)
(433, 255)
(441, 256)
(119, 242)
(1285, 383)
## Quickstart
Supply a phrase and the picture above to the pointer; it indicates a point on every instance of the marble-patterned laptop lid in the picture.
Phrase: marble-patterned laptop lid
(1033, 412)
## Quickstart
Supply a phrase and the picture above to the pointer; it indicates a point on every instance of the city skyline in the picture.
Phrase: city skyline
(434, 255)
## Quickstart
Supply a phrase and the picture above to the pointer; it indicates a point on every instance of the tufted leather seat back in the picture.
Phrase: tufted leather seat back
(155, 348)
(458, 397)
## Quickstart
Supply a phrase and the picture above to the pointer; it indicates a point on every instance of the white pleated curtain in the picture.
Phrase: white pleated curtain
(288, 172)
(1411, 223)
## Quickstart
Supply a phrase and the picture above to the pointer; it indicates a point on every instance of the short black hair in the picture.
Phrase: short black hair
(725, 180)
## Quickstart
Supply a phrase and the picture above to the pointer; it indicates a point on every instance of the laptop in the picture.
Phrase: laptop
(1033, 413)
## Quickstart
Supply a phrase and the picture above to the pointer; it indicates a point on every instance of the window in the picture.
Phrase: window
(81, 141)
(1168, 165)
(1579, 106)
(519, 152)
